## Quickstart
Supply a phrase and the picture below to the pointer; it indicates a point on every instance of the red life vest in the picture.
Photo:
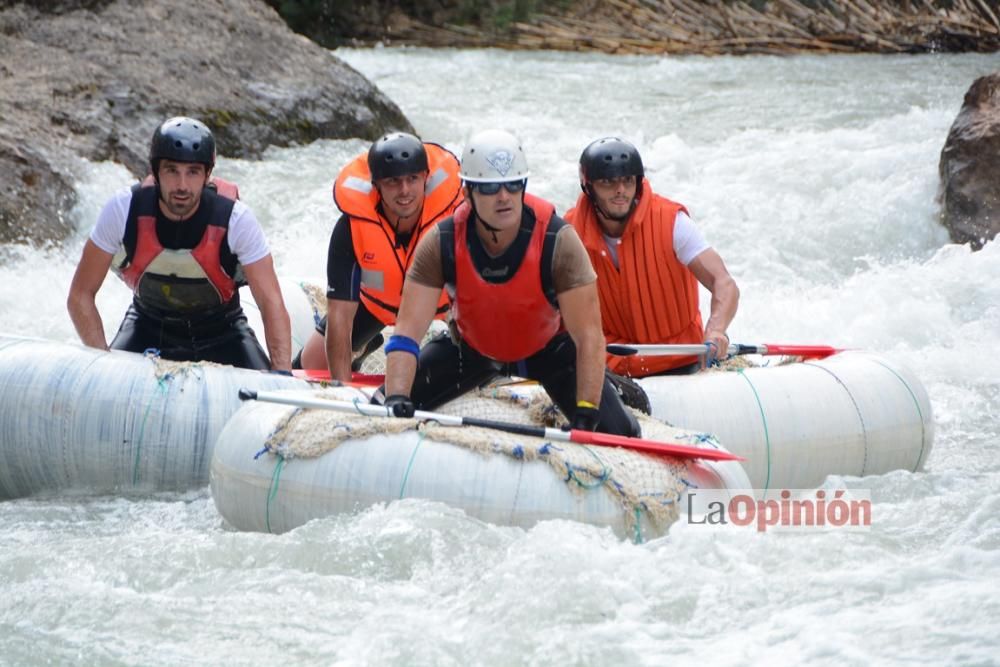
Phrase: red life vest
(507, 321)
(383, 262)
(651, 297)
(177, 282)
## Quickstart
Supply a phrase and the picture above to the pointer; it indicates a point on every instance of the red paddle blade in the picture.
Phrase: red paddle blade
(813, 351)
(651, 446)
(358, 379)
(368, 379)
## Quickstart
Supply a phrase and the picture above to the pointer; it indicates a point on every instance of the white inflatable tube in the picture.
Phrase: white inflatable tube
(76, 418)
(850, 414)
(263, 493)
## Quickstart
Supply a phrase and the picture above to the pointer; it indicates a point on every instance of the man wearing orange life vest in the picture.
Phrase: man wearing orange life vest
(649, 259)
(184, 245)
(390, 198)
(522, 294)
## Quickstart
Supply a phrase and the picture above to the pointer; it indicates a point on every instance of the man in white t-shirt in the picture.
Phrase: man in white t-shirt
(649, 259)
(184, 244)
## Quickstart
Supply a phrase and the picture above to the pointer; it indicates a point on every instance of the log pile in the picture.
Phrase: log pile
(713, 27)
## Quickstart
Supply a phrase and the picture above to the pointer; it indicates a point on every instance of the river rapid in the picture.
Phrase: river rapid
(814, 177)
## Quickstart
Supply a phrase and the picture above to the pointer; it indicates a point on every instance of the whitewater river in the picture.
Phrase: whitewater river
(815, 178)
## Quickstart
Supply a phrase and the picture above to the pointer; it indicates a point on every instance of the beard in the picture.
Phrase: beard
(181, 210)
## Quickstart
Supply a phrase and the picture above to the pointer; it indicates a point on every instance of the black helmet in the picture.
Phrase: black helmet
(610, 157)
(396, 154)
(184, 140)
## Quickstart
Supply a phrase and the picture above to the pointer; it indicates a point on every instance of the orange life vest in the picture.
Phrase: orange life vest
(182, 282)
(507, 321)
(383, 262)
(651, 297)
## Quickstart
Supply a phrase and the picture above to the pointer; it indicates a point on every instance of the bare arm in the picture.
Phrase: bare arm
(339, 324)
(581, 313)
(416, 311)
(277, 327)
(81, 303)
(711, 272)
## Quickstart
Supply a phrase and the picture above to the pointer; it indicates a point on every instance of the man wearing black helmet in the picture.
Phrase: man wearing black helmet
(389, 198)
(184, 249)
(649, 259)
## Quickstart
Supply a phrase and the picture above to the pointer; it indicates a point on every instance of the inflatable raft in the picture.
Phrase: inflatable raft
(796, 424)
(276, 467)
(73, 418)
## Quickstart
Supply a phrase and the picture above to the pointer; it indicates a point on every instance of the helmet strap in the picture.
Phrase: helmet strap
(490, 228)
(589, 189)
(487, 226)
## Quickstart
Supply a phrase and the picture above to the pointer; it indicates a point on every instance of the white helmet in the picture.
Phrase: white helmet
(493, 156)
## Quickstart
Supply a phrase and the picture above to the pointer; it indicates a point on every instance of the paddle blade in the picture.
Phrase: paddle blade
(357, 379)
(735, 349)
(811, 351)
(367, 379)
(651, 446)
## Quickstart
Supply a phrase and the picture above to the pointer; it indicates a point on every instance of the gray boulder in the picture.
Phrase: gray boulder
(93, 79)
(970, 166)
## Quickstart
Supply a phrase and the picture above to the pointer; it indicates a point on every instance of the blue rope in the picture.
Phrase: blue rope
(317, 318)
(600, 480)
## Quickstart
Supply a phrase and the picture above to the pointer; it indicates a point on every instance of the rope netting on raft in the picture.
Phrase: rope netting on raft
(648, 484)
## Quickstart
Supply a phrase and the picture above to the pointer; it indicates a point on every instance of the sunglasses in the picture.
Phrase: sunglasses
(512, 187)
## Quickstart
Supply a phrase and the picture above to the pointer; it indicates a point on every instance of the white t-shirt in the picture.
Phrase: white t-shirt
(245, 238)
(688, 241)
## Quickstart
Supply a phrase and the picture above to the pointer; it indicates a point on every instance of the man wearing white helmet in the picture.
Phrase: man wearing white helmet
(523, 300)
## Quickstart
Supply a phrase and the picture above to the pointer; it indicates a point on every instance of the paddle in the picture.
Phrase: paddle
(357, 379)
(581, 437)
(735, 349)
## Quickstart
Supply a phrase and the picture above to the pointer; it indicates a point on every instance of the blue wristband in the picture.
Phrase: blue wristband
(402, 344)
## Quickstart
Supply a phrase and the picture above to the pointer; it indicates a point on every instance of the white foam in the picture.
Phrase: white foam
(815, 177)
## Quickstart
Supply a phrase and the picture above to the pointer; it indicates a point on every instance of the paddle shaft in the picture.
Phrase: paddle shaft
(577, 436)
(735, 349)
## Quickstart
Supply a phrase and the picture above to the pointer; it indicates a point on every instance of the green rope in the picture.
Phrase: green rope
(273, 490)
(409, 465)
(637, 538)
(161, 384)
(767, 434)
